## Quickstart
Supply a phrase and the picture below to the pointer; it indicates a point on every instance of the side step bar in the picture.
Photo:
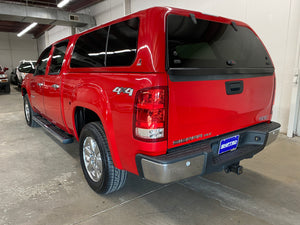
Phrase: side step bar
(59, 134)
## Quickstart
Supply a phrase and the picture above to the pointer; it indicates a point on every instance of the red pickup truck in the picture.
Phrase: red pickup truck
(163, 93)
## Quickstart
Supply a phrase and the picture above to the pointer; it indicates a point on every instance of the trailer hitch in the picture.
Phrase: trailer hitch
(235, 168)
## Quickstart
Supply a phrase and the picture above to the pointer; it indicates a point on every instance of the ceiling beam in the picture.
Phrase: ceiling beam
(49, 16)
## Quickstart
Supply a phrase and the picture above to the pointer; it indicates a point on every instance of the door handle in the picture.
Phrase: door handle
(234, 87)
(55, 86)
(40, 84)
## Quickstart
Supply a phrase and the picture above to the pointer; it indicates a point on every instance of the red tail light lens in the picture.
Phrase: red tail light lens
(150, 114)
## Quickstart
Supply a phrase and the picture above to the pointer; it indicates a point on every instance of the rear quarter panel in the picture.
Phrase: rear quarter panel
(95, 92)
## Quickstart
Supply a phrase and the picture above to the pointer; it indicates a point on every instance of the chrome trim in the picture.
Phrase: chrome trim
(27, 111)
(55, 86)
(92, 159)
(166, 173)
(272, 135)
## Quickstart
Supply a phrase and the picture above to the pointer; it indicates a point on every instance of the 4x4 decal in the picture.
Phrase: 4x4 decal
(120, 90)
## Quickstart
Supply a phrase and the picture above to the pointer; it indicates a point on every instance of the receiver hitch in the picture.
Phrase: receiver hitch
(235, 168)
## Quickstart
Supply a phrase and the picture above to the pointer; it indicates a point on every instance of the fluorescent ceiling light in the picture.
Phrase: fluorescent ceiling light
(63, 3)
(27, 29)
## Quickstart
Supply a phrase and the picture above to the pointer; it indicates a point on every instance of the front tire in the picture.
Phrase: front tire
(96, 162)
(29, 113)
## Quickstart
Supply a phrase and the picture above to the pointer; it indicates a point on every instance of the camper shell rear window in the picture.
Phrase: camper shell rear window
(213, 48)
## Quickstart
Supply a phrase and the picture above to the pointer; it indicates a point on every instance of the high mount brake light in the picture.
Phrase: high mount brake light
(151, 114)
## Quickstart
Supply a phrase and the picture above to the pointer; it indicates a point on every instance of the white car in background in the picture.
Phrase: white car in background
(25, 67)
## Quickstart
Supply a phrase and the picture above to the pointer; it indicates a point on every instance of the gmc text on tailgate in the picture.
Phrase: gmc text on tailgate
(164, 93)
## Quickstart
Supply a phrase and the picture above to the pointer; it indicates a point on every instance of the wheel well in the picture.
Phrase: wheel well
(84, 116)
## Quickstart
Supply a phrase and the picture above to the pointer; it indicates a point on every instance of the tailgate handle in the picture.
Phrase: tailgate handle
(234, 87)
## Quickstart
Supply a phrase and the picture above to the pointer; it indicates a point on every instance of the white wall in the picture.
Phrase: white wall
(106, 11)
(14, 49)
(53, 35)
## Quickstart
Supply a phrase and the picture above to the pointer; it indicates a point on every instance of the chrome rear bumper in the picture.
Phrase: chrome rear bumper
(202, 157)
(168, 172)
(272, 136)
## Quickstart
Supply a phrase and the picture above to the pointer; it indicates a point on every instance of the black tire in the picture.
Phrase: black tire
(7, 88)
(30, 113)
(111, 178)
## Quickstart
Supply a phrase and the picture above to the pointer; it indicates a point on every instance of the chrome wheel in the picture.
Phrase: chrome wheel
(27, 111)
(92, 159)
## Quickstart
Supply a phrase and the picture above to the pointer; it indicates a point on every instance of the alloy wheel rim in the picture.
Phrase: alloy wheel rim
(92, 159)
(27, 111)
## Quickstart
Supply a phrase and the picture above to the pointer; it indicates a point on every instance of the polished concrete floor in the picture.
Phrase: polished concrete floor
(41, 182)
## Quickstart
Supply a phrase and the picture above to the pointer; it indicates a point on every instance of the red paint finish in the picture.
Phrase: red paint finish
(203, 108)
(196, 109)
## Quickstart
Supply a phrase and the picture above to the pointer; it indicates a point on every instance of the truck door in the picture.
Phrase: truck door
(52, 89)
(37, 82)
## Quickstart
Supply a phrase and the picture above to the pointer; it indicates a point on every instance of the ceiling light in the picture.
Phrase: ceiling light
(63, 3)
(27, 29)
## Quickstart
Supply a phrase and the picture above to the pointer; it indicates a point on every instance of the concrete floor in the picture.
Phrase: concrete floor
(41, 182)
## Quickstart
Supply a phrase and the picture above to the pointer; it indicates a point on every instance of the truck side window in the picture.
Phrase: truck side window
(58, 57)
(122, 43)
(90, 49)
(42, 62)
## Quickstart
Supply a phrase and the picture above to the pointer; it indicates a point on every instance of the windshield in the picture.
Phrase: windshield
(213, 45)
(26, 67)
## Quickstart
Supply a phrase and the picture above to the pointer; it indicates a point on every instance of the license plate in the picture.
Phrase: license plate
(229, 144)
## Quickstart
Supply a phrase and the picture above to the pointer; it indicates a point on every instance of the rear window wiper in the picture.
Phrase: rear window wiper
(193, 18)
(233, 24)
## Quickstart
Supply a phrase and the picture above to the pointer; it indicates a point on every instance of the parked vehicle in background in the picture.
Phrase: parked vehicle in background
(163, 93)
(4, 80)
(25, 67)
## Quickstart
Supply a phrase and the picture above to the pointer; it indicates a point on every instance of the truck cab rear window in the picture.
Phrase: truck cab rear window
(42, 62)
(114, 45)
(58, 57)
(215, 47)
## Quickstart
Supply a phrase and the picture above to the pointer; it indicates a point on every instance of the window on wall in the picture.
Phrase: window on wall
(58, 57)
(95, 49)
(122, 43)
(90, 49)
(42, 62)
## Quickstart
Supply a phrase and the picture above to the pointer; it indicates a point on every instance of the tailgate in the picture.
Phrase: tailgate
(221, 78)
(203, 109)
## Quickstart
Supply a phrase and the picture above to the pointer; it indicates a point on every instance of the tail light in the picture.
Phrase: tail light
(151, 114)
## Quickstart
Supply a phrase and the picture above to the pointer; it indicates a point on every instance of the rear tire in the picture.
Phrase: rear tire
(96, 162)
(29, 113)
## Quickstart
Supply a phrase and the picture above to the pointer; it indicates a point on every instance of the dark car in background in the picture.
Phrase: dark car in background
(4, 81)
(14, 77)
